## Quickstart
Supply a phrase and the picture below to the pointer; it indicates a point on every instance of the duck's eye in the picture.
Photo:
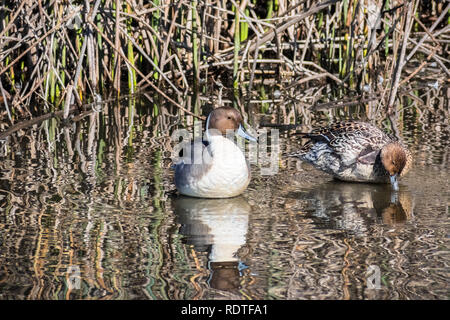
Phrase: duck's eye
(229, 118)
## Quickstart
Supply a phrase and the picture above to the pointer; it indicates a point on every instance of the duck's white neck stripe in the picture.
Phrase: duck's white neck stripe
(207, 127)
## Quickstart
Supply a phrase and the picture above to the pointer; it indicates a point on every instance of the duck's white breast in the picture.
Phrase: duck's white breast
(227, 174)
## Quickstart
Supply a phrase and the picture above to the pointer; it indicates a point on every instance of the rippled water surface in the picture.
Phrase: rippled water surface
(89, 211)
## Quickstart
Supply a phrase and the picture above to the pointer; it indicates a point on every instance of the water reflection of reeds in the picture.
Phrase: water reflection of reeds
(96, 192)
(83, 202)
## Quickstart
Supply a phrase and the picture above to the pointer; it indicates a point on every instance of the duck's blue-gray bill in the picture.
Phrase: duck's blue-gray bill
(394, 182)
(241, 131)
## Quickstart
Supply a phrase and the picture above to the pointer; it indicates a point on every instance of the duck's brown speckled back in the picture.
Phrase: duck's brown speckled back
(350, 151)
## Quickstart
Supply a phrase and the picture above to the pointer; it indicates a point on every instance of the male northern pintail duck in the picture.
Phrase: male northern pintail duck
(215, 168)
(356, 151)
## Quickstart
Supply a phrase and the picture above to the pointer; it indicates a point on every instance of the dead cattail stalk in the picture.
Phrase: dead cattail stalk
(410, 9)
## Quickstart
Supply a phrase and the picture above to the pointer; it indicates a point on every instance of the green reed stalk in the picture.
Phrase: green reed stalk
(237, 47)
(345, 11)
(101, 55)
(365, 78)
(263, 95)
(345, 66)
(132, 82)
(416, 24)
(22, 69)
(52, 75)
(195, 48)
(269, 9)
(117, 43)
(352, 48)
(244, 27)
(319, 30)
(341, 67)
(78, 45)
(156, 17)
(63, 64)
(8, 60)
(113, 53)
(386, 31)
(57, 71)
(155, 111)
(332, 48)
(342, 24)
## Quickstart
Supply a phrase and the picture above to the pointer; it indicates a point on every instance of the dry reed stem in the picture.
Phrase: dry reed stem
(272, 53)
(409, 8)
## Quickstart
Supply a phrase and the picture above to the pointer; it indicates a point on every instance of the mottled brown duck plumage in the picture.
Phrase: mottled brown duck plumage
(356, 151)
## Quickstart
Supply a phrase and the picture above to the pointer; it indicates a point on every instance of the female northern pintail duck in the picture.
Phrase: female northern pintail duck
(356, 151)
(215, 168)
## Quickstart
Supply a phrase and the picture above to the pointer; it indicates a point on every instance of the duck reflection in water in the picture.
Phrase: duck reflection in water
(355, 207)
(218, 226)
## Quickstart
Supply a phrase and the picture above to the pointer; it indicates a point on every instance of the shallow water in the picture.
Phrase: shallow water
(89, 211)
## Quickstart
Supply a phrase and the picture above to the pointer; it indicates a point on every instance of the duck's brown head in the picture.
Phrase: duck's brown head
(222, 119)
(396, 159)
